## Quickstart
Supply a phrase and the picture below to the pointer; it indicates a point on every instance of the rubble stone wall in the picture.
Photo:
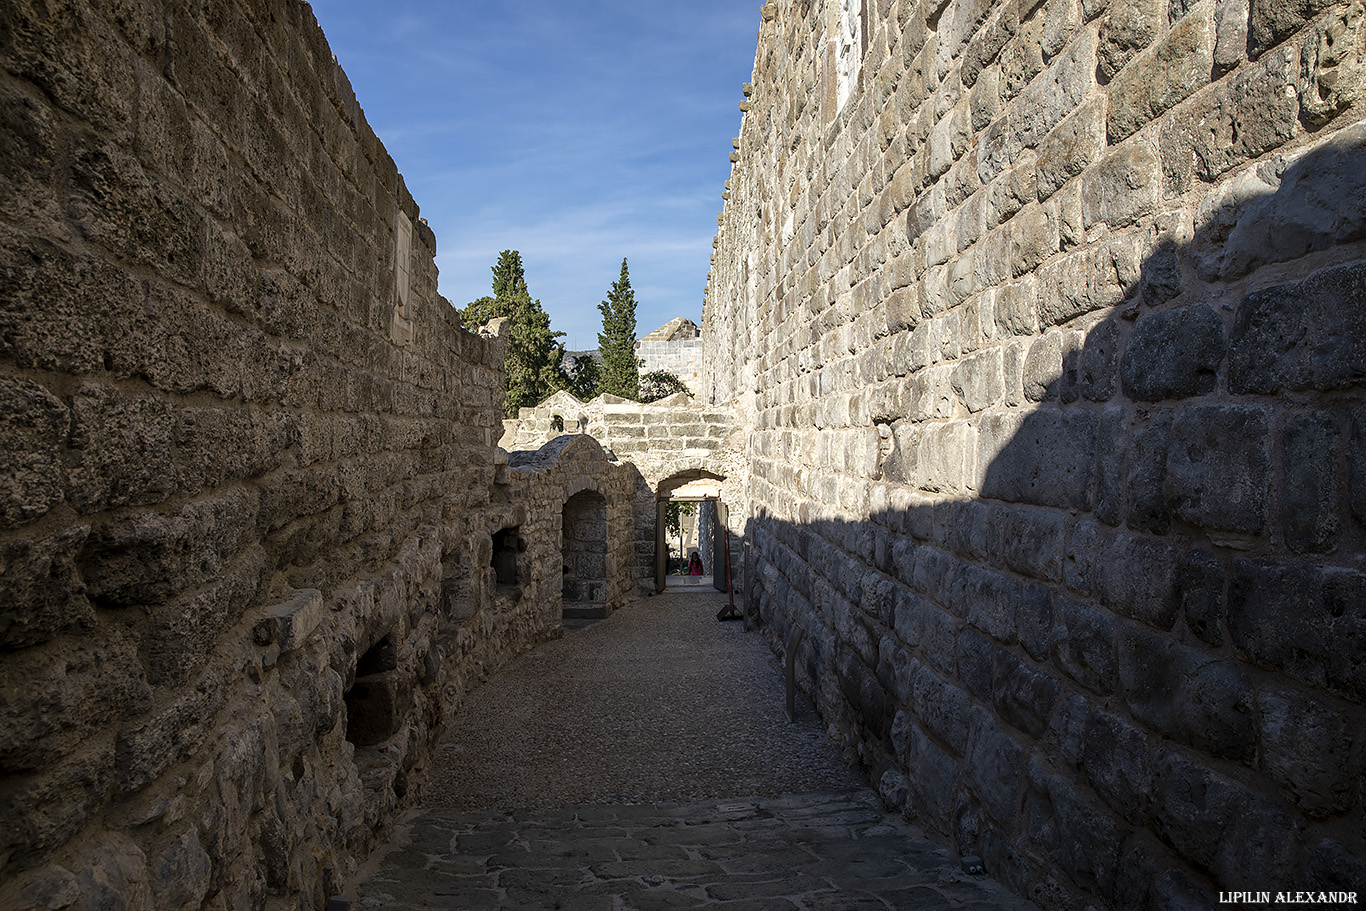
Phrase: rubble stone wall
(1045, 322)
(665, 442)
(247, 465)
(540, 484)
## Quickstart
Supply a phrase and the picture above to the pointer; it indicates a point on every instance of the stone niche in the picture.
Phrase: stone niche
(584, 549)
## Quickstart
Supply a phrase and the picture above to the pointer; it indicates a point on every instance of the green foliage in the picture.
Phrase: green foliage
(584, 377)
(659, 384)
(617, 340)
(533, 355)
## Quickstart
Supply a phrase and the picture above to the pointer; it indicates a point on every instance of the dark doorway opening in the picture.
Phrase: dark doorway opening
(583, 551)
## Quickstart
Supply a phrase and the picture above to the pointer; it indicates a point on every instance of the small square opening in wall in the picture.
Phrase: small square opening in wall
(375, 702)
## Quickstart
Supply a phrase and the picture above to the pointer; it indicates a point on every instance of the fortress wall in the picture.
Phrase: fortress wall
(1046, 321)
(247, 453)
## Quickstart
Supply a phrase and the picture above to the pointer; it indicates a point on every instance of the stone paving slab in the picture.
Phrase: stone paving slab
(645, 762)
(808, 851)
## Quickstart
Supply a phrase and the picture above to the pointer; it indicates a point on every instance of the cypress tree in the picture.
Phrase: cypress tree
(617, 340)
(533, 356)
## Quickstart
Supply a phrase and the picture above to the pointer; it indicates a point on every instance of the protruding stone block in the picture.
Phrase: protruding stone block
(290, 623)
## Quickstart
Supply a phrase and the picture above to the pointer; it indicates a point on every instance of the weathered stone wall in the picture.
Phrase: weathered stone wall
(247, 465)
(1045, 319)
(666, 443)
(675, 347)
(541, 483)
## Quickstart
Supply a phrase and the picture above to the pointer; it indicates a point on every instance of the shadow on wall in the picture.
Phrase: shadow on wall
(1133, 665)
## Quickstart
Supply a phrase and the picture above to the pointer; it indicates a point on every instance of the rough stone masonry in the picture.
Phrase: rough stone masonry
(1047, 323)
(256, 538)
(1034, 356)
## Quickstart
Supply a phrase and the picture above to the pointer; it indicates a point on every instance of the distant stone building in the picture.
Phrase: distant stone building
(676, 347)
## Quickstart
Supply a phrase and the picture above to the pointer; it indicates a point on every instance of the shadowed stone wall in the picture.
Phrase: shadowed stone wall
(1044, 320)
(248, 474)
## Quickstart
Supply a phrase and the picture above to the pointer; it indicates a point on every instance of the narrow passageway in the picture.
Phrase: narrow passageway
(645, 761)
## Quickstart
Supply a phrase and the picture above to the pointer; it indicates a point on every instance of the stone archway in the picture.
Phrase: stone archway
(703, 488)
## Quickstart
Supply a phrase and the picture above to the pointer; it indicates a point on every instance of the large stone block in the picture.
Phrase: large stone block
(973, 663)
(1023, 694)
(1310, 496)
(1080, 563)
(1117, 761)
(33, 432)
(1303, 335)
(1147, 475)
(943, 708)
(1098, 365)
(1173, 354)
(183, 631)
(1084, 840)
(1122, 187)
(1180, 63)
(1072, 146)
(85, 687)
(994, 767)
(1034, 621)
(1311, 203)
(1044, 457)
(934, 783)
(1273, 21)
(41, 589)
(1303, 620)
(1032, 542)
(1333, 56)
(146, 558)
(1136, 578)
(1187, 695)
(1098, 277)
(1200, 579)
(990, 601)
(1084, 645)
(1218, 467)
(1254, 112)
(1112, 444)
(1126, 30)
(1222, 828)
(1356, 466)
(1311, 749)
(47, 809)
(124, 448)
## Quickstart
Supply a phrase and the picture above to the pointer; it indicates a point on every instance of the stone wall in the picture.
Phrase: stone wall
(247, 465)
(666, 443)
(1045, 322)
(544, 484)
(675, 347)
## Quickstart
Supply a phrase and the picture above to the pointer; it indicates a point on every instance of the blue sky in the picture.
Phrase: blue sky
(576, 131)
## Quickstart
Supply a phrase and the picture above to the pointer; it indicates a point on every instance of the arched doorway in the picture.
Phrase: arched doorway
(583, 553)
(689, 527)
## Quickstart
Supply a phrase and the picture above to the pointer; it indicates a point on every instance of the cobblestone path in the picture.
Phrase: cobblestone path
(645, 762)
